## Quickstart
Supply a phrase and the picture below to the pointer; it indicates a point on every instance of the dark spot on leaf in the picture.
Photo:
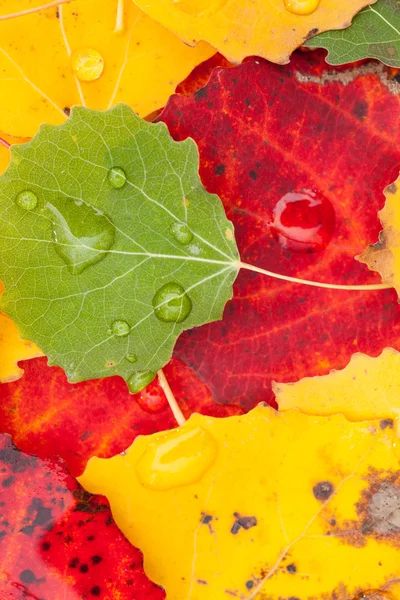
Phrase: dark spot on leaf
(202, 582)
(200, 94)
(360, 109)
(291, 568)
(392, 188)
(249, 584)
(219, 169)
(253, 175)
(332, 522)
(8, 482)
(73, 563)
(67, 111)
(46, 546)
(84, 568)
(323, 490)
(27, 576)
(242, 522)
(206, 519)
(95, 591)
(96, 559)
(386, 423)
(90, 538)
(311, 33)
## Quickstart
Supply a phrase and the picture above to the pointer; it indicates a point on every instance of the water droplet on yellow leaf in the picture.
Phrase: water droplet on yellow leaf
(87, 64)
(302, 7)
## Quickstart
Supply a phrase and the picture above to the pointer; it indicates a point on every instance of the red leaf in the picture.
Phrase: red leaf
(57, 541)
(264, 131)
(47, 416)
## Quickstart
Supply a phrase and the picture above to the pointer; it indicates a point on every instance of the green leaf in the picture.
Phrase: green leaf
(374, 33)
(110, 244)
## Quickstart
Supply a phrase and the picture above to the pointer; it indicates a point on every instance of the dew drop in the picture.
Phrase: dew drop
(139, 380)
(176, 458)
(117, 177)
(27, 200)
(171, 303)
(132, 358)
(87, 64)
(120, 328)
(82, 236)
(303, 221)
(152, 400)
(181, 233)
(301, 7)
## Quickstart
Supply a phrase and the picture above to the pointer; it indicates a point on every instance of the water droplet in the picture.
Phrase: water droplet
(171, 303)
(139, 379)
(117, 177)
(152, 400)
(82, 235)
(303, 221)
(181, 233)
(120, 328)
(301, 7)
(132, 358)
(87, 64)
(27, 200)
(176, 458)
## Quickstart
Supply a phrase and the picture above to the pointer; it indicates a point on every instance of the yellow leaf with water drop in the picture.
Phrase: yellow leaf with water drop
(368, 388)
(239, 28)
(13, 349)
(267, 505)
(384, 256)
(40, 78)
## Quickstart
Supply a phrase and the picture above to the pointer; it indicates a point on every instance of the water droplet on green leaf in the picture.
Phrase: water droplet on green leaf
(82, 235)
(171, 303)
(117, 177)
(120, 328)
(132, 358)
(139, 380)
(181, 233)
(27, 200)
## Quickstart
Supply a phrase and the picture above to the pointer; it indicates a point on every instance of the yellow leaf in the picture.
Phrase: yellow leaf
(240, 28)
(13, 349)
(268, 505)
(384, 256)
(368, 388)
(38, 54)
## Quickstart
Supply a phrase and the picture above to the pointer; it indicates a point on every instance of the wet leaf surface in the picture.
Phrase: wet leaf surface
(272, 132)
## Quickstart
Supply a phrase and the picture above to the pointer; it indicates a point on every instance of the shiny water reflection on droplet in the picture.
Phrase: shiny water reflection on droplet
(117, 177)
(82, 235)
(27, 200)
(181, 233)
(303, 221)
(139, 380)
(171, 303)
(120, 328)
(87, 64)
(176, 458)
(301, 7)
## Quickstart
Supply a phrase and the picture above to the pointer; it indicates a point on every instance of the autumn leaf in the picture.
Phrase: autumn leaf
(106, 240)
(140, 64)
(265, 133)
(13, 349)
(241, 28)
(366, 389)
(384, 256)
(260, 519)
(56, 541)
(374, 33)
(46, 416)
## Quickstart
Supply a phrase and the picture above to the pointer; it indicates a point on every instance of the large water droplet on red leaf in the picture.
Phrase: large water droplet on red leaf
(303, 221)
(152, 399)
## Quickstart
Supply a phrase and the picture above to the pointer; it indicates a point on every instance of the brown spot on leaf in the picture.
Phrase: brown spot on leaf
(392, 188)
(242, 522)
(386, 423)
(323, 490)
(311, 33)
(374, 595)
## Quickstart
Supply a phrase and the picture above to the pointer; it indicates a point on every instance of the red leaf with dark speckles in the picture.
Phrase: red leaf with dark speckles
(265, 131)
